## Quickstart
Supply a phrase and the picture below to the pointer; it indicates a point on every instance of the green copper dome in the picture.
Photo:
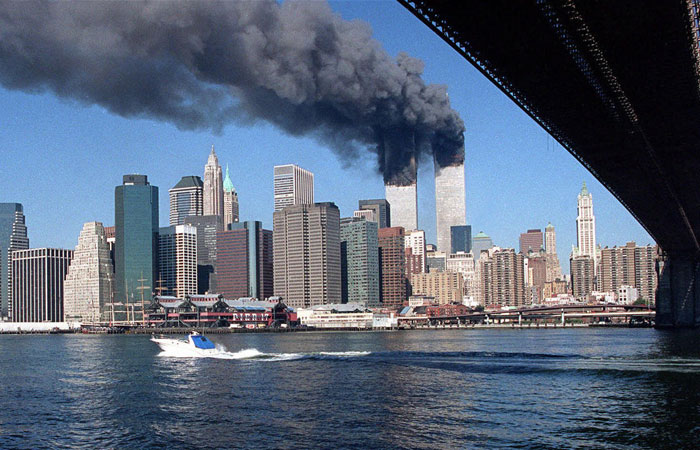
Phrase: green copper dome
(228, 185)
(584, 189)
(481, 235)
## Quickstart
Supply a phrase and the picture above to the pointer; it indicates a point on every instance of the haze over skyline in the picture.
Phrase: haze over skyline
(62, 159)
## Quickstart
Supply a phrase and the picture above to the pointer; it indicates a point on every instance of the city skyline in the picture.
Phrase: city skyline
(499, 139)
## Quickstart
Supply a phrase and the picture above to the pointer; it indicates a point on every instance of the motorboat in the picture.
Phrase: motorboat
(195, 344)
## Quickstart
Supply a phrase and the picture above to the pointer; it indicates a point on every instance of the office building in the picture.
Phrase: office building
(392, 267)
(111, 236)
(404, 205)
(531, 241)
(366, 214)
(381, 209)
(436, 261)
(244, 261)
(213, 187)
(536, 273)
(136, 239)
(231, 214)
(585, 226)
(13, 236)
(464, 264)
(177, 261)
(359, 253)
(37, 284)
(629, 266)
(461, 238)
(87, 289)
(207, 227)
(307, 268)
(481, 242)
(416, 255)
(292, 186)
(582, 276)
(444, 287)
(550, 246)
(502, 278)
(186, 199)
(449, 202)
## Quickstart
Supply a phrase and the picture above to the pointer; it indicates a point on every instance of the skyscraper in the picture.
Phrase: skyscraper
(13, 236)
(244, 261)
(87, 289)
(213, 186)
(392, 267)
(306, 250)
(550, 244)
(207, 227)
(37, 284)
(629, 266)
(531, 241)
(481, 242)
(416, 255)
(177, 261)
(463, 263)
(585, 225)
(230, 202)
(582, 276)
(186, 199)
(502, 278)
(404, 205)
(460, 238)
(381, 209)
(359, 249)
(292, 186)
(136, 229)
(449, 202)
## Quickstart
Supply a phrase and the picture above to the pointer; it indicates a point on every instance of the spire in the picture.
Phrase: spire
(584, 189)
(213, 159)
(228, 185)
(549, 226)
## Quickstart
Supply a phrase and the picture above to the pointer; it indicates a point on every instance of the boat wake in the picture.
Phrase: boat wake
(254, 354)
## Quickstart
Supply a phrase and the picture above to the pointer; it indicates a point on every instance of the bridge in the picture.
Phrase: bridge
(616, 83)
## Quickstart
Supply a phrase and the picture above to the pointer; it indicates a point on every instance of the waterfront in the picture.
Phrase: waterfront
(426, 389)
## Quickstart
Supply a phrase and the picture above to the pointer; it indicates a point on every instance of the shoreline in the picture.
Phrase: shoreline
(203, 330)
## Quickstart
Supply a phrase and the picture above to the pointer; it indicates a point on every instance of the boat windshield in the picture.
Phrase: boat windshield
(202, 342)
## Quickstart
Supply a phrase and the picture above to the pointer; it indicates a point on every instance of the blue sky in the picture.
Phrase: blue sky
(62, 159)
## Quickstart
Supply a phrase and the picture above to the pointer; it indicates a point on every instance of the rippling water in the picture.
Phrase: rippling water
(592, 388)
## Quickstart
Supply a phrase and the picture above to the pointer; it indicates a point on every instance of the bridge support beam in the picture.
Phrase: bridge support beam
(678, 292)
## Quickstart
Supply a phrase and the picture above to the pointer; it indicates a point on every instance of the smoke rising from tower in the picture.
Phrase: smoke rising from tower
(203, 65)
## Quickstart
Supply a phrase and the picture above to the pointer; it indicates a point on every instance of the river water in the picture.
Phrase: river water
(570, 388)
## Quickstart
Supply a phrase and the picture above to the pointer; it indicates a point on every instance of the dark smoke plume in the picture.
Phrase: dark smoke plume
(202, 64)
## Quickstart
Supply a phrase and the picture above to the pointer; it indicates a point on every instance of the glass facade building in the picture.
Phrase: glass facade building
(381, 209)
(13, 236)
(359, 252)
(136, 246)
(461, 238)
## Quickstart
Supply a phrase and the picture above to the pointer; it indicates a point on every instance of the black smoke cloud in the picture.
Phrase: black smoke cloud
(202, 64)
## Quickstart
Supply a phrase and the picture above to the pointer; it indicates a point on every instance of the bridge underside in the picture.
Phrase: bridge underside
(617, 83)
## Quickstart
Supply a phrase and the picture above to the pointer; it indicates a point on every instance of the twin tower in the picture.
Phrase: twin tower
(449, 201)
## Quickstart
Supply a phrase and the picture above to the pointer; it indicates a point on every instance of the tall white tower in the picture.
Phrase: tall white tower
(213, 186)
(449, 202)
(403, 199)
(585, 225)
